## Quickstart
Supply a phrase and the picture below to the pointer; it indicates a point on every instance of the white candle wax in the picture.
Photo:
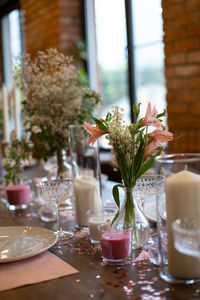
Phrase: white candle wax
(95, 221)
(6, 133)
(16, 112)
(182, 199)
(87, 196)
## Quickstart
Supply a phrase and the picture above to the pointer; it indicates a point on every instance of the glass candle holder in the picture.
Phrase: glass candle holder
(18, 196)
(86, 174)
(186, 234)
(95, 219)
(181, 198)
(116, 244)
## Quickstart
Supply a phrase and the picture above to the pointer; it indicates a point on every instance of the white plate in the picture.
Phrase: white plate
(19, 242)
(150, 211)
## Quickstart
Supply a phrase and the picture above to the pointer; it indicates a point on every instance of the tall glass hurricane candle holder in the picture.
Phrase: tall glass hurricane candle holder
(86, 174)
(182, 199)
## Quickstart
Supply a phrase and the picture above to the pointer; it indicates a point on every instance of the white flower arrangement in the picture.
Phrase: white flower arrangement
(53, 98)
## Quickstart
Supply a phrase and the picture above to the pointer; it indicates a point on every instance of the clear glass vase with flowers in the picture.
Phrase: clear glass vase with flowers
(17, 188)
(135, 147)
(53, 98)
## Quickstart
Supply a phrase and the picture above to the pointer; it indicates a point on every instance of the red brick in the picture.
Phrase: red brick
(194, 82)
(187, 44)
(174, 35)
(166, 3)
(169, 48)
(192, 5)
(177, 83)
(177, 109)
(193, 57)
(193, 30)
(185, 70)
(175, 59)
(183, 96)
(45, 20)
(173, 11)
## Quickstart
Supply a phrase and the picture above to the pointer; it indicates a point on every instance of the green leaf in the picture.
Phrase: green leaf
(100, 124)
(108, 117)
(148, 164)
(133, 131)
(115, 192)
(115, 217)
(162, 114)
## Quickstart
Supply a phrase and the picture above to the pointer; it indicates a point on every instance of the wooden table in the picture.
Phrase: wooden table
(95, 280)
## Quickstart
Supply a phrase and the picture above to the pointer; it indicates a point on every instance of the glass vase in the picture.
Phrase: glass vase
(179, 199)
(86, 174)
(130, 213)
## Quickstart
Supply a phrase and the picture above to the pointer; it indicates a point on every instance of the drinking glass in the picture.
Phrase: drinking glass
(181, 198)
(55, 191)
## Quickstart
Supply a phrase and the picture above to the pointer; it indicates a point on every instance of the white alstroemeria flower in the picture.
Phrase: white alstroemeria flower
(35, 129)
(9, 161)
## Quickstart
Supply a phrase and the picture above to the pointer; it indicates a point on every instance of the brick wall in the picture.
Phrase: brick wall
(52, 23)
(182, 69)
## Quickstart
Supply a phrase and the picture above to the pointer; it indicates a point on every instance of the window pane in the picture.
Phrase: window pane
(150, 81)
(147, 21)
(111, 53)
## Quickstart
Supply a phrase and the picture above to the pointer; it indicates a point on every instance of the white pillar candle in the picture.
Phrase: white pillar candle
(6, 132)
(182, 200)
(16, 112)
(87, 196)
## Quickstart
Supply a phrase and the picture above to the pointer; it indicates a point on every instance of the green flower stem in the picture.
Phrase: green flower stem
(130, 212)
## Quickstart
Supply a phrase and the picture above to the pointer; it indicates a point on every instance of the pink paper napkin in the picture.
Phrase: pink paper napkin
(39, 268)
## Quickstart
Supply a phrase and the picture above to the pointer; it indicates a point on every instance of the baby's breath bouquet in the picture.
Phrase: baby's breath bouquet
(135, 147)
(53, 99)
(15, 155)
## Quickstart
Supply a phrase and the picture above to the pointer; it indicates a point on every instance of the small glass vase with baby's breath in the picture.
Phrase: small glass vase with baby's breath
(17, 188)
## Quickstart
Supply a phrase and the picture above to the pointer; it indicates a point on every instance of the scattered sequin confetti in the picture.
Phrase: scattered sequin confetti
(142, 256)
(91, 296)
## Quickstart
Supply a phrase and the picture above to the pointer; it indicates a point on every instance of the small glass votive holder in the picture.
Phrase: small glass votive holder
(186, 234)
(48, 211)
(116, 244)
(97, 218)
(18, 196)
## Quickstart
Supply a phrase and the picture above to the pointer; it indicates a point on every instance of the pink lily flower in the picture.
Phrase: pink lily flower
(95, 133)
(150, 118)
(151, 149)
(159, 137)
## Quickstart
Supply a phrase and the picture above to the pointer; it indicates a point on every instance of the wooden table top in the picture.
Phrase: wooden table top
(95, 280)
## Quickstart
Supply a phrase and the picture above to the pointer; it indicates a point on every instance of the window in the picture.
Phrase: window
(11, 49)
(120, 82)
(11, 44)
(149, 53)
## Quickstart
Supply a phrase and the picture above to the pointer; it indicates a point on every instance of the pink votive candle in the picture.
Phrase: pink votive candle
(18, 194)
(116, 245)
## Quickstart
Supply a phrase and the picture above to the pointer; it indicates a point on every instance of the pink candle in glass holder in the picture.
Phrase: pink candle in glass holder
(18, 194)
(116, 245)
